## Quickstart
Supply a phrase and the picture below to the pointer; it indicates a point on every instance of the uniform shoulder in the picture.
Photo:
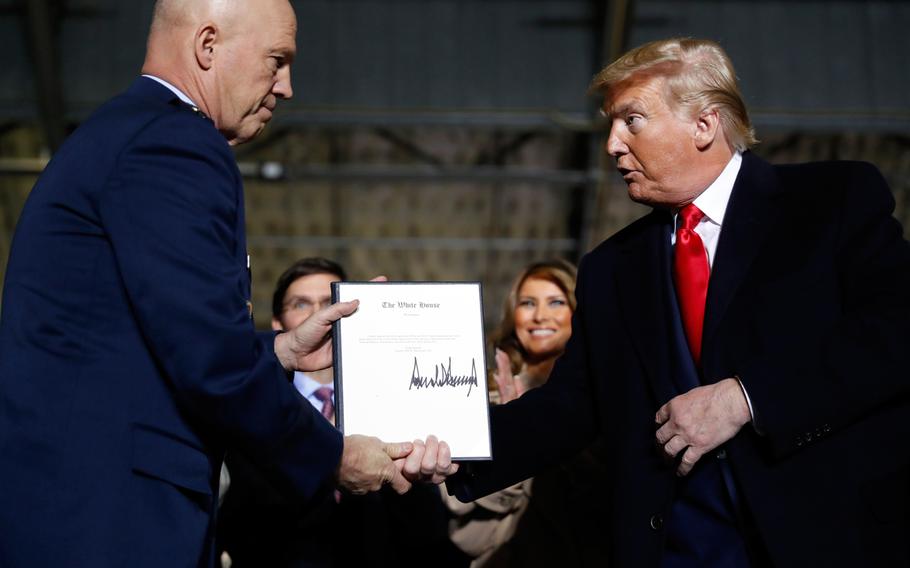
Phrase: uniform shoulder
(127, 116)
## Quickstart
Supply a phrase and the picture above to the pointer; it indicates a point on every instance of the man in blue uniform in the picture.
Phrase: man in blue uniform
(128, 358)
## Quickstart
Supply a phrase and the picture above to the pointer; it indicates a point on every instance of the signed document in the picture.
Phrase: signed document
(410, 362)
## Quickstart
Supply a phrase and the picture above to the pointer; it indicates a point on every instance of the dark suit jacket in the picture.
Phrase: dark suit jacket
(809, 303)
(128, 359)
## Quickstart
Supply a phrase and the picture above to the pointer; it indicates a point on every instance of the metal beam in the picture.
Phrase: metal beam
(408, 146)
(620, 20)
(40, 23)
(412, 243)
(377, 174)
(22, 166)
(612, 19)
(544, 119)
(384, 174)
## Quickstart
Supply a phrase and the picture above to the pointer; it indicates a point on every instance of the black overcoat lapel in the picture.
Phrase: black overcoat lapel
(747, 218)
(643, 284)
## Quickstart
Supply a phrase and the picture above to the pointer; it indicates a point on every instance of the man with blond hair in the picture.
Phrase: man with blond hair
(129, 362)
(741, 348)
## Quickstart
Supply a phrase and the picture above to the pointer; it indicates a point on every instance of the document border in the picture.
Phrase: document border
(338, 367)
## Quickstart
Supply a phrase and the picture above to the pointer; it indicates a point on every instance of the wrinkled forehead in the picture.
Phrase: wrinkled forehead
(641, 89)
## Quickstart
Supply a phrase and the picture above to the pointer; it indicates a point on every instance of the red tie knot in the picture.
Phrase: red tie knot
(690, 216)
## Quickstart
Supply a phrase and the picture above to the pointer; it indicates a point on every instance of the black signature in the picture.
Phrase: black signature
(446, 380)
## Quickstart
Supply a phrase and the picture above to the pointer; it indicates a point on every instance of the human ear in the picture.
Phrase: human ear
(706, 127)
(204, 45)
(276, 325)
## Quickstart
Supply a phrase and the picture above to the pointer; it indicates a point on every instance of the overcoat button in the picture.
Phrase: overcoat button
(657, 521)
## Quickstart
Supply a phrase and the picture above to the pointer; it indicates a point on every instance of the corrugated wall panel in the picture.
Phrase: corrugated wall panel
(445, 55)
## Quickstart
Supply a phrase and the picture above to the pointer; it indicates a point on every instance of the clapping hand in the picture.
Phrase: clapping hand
(510, 387)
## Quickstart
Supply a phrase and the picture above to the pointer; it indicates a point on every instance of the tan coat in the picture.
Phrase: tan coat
(482, 526)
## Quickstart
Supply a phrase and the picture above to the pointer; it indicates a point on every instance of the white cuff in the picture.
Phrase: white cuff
(748, 402)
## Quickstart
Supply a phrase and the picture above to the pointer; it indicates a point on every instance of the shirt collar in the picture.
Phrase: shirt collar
(180, 94)
(713, 201)
(305, 384)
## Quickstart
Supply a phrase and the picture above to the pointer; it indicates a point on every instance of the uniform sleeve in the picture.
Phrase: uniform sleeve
(170, 210)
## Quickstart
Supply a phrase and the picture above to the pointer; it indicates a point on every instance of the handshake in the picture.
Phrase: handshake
(368, 463)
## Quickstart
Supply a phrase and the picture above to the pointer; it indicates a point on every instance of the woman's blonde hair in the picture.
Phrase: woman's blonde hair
(699, 76)
(559, 272)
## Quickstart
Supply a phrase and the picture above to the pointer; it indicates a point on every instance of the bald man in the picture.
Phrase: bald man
(129, 362)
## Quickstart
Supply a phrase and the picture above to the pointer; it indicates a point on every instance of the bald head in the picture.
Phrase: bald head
(230, 57)
(176, 22)
(170, 15)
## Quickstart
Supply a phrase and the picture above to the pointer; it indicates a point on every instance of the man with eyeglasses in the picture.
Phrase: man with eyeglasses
(304, 288)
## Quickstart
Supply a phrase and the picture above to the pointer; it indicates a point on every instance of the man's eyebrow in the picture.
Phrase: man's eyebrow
(298, 297)
(610, 114)
(312, 297)
(633, 105)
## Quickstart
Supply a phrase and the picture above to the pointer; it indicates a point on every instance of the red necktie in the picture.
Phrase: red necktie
(691, 273)
(325, 394)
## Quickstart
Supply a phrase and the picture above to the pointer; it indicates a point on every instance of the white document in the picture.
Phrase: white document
(410, 362)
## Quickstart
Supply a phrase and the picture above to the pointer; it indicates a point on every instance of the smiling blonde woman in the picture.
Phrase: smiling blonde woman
(536, 325)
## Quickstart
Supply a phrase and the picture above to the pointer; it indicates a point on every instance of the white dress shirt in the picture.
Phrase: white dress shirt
(307, 386)
(713, 203)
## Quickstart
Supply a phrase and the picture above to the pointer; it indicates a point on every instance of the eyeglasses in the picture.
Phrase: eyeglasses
(301, 305)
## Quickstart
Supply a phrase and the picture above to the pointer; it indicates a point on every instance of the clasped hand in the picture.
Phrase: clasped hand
(368, 463)
(694, 423)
